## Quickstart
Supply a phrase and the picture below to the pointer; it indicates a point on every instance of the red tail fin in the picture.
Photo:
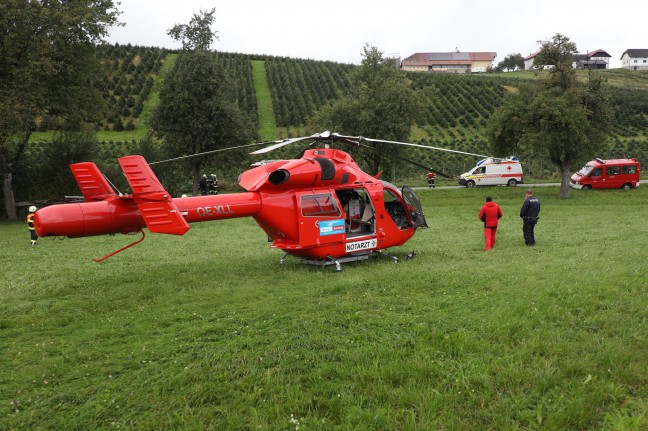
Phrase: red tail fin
(92, 183)
(156, 205)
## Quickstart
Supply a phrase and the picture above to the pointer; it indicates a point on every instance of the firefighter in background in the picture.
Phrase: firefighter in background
(431, 176)
(212, 184)
(30, 224)
(204, 188)
(490, 214)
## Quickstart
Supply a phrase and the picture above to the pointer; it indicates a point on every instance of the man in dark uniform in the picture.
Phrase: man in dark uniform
(530, 212)
(204, 189)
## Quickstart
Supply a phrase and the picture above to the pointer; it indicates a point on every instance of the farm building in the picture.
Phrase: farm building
(453, 62)
(597, 59)
(635, 59)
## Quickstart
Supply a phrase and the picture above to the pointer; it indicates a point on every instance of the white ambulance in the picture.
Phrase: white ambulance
(494, 172)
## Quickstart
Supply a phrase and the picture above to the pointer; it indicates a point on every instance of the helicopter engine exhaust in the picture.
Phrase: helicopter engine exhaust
(303, 172)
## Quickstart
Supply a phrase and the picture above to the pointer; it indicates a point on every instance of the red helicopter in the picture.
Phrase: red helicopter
(322, 207)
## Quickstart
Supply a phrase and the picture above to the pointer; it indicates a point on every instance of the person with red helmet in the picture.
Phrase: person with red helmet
(490, 214)
(30, 225)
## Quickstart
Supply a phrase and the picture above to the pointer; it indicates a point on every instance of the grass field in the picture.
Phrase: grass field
(267, 120)
(208, 331)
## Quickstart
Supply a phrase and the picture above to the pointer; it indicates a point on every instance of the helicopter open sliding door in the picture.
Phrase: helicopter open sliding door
(320, 219)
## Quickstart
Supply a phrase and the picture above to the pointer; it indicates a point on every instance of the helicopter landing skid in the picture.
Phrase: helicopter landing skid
(383, 254)
(337, 261)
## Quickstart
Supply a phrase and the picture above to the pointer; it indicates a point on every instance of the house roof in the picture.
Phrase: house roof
(530, 56)
(598, 53)
(634, 53)
(444, 58)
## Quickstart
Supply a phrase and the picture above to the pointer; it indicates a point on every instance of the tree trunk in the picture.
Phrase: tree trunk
(7, 190)
(565, 175)
(196, 177)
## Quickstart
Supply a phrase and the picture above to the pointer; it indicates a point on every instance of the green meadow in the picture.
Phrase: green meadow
(209, 332)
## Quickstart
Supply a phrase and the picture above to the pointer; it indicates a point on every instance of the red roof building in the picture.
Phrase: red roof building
(454, 62)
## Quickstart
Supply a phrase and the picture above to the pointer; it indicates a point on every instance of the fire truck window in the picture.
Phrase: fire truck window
(612, 170)
(629, 169)
(319, 205)
(597, 172)
(480, 170)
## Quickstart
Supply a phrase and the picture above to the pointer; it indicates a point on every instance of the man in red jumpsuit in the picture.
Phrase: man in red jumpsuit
(490, 214)
(431, 176)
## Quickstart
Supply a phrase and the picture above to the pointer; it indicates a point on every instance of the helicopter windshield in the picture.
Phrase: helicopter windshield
(403, 207)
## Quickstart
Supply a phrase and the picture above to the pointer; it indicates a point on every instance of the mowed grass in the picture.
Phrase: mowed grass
(208, 331)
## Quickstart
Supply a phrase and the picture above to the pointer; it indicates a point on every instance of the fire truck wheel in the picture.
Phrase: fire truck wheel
(470, 184)
(627, 186)
(512, 182)
(587, 187)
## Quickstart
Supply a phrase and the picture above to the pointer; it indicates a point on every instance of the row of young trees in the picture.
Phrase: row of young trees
(301, 87)
(129, 73)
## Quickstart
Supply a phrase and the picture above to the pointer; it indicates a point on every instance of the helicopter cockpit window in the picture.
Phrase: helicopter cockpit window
(395, 209)
(319, 205)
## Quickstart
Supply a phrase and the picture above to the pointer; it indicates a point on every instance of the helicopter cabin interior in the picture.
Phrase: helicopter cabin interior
(358, 211)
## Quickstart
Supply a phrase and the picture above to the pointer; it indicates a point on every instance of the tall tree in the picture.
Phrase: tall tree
(381, 104)
(197, 35)
(48, 63)
(558, 117)
(511, 62)
(198, 110)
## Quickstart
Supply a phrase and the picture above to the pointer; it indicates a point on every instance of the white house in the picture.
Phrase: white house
(635, 59)
(528, 61)
(597, 59)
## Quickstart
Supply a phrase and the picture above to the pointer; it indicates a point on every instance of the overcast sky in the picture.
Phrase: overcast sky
(337, 30)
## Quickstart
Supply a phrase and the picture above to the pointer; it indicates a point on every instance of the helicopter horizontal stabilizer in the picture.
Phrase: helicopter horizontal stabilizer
(158, 210)
(91, 181)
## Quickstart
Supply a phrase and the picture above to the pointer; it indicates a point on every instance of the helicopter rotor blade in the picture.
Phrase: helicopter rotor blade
(429, 147)
(415, 163)
(353, 140)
